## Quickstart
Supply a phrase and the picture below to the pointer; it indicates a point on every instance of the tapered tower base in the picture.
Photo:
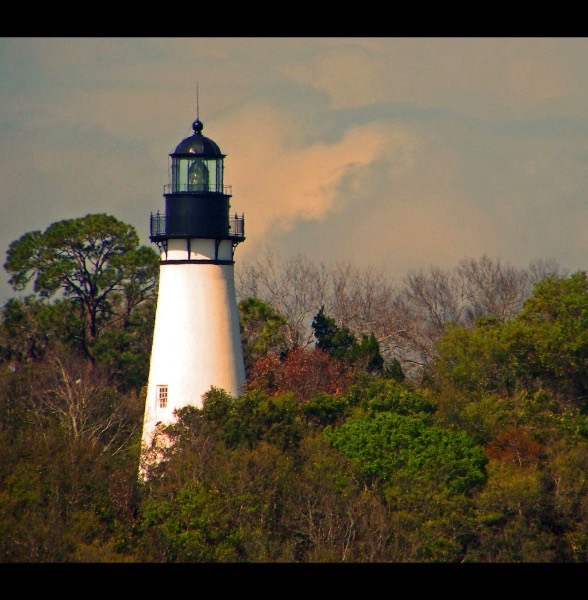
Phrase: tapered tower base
(196, 340)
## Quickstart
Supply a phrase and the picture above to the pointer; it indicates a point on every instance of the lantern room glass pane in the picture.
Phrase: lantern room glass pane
(197, 175)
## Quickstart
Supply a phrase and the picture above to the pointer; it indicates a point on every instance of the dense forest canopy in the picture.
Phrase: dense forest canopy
(441, 418)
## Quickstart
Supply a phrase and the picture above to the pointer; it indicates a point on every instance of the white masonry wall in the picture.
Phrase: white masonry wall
(196, 340)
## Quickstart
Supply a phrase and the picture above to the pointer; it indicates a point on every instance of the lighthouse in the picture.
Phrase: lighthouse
(196, 339)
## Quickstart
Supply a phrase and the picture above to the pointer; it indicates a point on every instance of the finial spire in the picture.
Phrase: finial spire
(197, 126)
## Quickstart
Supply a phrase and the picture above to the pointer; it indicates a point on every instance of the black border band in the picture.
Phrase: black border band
(198, 262)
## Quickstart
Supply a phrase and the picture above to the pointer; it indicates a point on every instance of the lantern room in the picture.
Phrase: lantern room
(197, 164)
(197, 203)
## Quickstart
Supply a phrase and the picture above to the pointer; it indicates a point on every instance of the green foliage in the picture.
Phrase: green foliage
(58, 493)
(478, 359)
(389, 395)
(485, 460)
(125, 347)
(334, 340)
(259, 503)
(515, 518)
(545, 346)
(262, 330)
(95, 262)
(556, 317)
(426, 476)
(194, 527)
(393, 370)
(324, 409)
(387, 447)
(341, 344)
(30, 326)
(255, 417)
(366, 351)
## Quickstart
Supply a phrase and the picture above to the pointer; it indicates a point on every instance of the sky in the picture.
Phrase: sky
(383, 152)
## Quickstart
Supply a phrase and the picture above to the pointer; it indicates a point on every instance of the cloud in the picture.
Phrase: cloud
(408, 207)
(402, 151)
(348, 73)
(278, 176)
(385, 188)
(482, 77)
(530, 81)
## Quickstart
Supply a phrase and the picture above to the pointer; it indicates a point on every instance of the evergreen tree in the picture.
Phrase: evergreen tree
(341, 344)
(95, 263)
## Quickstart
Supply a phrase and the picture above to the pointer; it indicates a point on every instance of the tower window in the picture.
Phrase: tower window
(162, 396)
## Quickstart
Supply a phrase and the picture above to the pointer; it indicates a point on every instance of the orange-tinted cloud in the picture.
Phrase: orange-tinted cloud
(277, 176)
(398, 192)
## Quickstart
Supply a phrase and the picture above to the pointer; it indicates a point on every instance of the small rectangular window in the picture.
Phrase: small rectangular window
(162, 396)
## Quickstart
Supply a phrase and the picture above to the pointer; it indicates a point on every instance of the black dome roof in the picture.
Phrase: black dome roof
(197, 144)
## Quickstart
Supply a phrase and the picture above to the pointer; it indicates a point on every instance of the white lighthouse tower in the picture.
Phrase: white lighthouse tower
(196, 340)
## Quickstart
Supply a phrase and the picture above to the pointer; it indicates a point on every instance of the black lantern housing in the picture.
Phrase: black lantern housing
(197, 201)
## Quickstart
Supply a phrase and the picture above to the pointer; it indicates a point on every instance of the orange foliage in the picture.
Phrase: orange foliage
(305, 372)
(514, 444)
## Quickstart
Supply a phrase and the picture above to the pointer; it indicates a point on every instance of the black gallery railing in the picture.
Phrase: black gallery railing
(158, 227)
